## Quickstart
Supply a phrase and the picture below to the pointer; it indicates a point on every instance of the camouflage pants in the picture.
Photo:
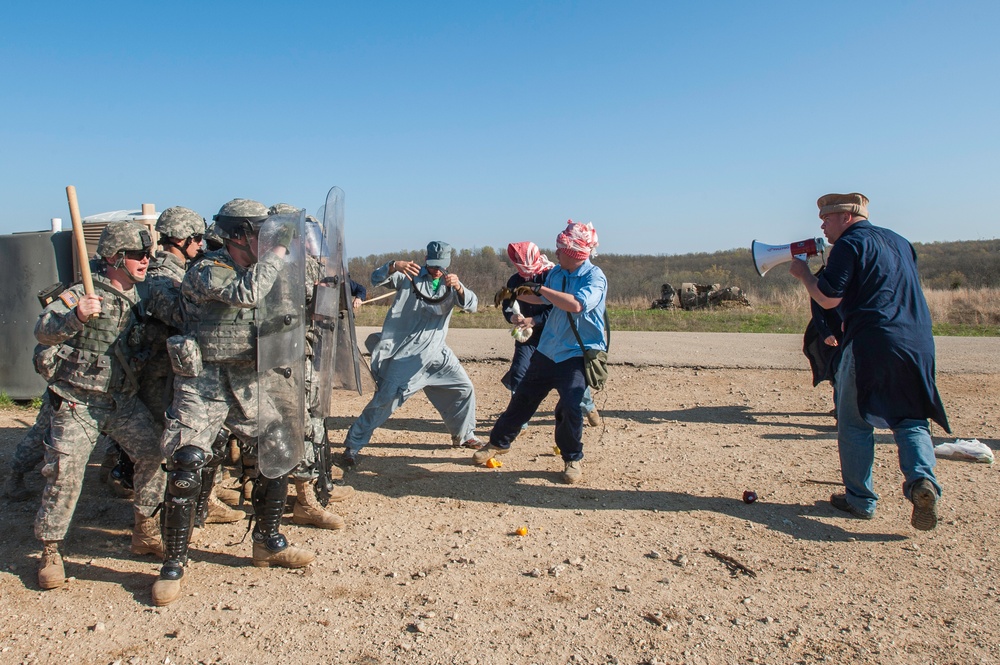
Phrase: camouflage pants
(73, 433)
(307, 469)
(31, 450)
(218, 397)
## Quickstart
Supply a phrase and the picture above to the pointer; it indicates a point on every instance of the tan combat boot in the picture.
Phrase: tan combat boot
(146, 536)
(166, 591)
(290, 557)
(51, 574)
(220, 513)
(309, 511)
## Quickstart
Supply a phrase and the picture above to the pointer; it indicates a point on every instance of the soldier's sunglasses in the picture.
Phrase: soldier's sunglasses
(137, 254)
(196, 238)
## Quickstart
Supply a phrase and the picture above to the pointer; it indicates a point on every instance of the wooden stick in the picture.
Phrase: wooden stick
(81, 241)
(732, 564)
(381, 297)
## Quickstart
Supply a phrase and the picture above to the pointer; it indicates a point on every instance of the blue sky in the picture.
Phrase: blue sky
(672, 126)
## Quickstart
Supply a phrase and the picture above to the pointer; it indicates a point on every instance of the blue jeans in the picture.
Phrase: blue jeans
(519, 367)
(856, 443)
(542, 376)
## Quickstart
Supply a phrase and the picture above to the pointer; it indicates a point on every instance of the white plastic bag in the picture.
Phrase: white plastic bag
(520, 334)
(969, 450)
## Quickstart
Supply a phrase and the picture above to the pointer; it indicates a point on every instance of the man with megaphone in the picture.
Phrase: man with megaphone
(885, 377)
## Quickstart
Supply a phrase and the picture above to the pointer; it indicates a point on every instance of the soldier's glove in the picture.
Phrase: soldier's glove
(284, 235)
(528, 288)
(502, 294)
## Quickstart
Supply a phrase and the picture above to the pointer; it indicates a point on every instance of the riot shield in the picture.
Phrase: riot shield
(281, 346)
(337, 358)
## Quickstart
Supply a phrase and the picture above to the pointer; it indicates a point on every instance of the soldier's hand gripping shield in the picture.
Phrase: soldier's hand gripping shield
(281, 344)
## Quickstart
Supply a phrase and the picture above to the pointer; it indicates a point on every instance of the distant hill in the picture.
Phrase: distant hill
(942, 265)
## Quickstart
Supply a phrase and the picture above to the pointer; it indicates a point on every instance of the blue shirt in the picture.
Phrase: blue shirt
(590, 288)
(886, 320)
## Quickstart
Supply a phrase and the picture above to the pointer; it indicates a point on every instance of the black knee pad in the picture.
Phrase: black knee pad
(184, 474)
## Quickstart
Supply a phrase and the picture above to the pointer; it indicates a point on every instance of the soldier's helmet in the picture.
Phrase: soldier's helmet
(124, 236)
(283, 209)
(180, 222)
(240, 218)
(212, 238)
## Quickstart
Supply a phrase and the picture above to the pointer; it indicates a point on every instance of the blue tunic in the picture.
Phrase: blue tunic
(886, 319)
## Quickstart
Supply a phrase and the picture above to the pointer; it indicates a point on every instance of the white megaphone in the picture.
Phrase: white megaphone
(766, 257)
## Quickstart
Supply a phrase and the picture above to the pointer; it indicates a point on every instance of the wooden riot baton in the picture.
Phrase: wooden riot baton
(81, 241)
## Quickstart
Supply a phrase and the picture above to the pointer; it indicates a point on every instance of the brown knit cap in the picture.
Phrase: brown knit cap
(854, 203)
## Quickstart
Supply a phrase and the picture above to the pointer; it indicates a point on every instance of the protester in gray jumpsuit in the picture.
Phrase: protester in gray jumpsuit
(412, 355)
(95, 351)
(217, 384)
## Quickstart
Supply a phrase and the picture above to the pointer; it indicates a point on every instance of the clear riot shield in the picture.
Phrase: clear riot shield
(337, 359)
(281, 345)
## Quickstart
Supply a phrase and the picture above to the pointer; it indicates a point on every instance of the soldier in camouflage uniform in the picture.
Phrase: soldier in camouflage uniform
(31, 449)
(308, 510)
(217, 384)
(181, 231)
(95, 350)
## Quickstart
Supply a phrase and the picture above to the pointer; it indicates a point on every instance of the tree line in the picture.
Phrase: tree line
(637, 277)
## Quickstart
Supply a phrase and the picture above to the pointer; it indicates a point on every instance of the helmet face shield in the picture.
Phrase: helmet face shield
(235, 228)
(240, 218)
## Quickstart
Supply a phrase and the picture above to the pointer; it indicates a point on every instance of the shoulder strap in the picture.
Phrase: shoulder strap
(572, 324)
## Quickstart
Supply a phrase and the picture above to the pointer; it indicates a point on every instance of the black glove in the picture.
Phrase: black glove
(528, 288)
(502, 294)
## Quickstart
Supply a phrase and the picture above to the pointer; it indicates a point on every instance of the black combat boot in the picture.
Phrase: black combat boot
(270, 548)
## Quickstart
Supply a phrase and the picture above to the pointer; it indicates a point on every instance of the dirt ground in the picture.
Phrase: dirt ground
(653, 559)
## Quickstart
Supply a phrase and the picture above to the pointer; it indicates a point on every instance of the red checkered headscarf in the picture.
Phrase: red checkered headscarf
(528, 259)
(578, 241)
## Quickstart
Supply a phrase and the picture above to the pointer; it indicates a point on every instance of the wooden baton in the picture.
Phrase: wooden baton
(81, 241)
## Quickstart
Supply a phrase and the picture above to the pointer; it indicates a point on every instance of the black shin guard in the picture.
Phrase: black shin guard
(268, 505)
(208, 479)
(201, 503)
(183, 487)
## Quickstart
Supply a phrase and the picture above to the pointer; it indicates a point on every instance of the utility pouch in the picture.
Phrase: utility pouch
(595, 368)
(50, 293)
(185, 355)
(46, 361)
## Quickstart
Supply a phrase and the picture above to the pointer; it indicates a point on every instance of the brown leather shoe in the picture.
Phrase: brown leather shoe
(925, 498)
(573, 473)
(51, 574)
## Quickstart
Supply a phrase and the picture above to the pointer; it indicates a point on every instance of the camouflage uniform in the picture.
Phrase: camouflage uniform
(93, 390)
(314, 425)
(219, 300)
(31, 450)
(226, 390)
